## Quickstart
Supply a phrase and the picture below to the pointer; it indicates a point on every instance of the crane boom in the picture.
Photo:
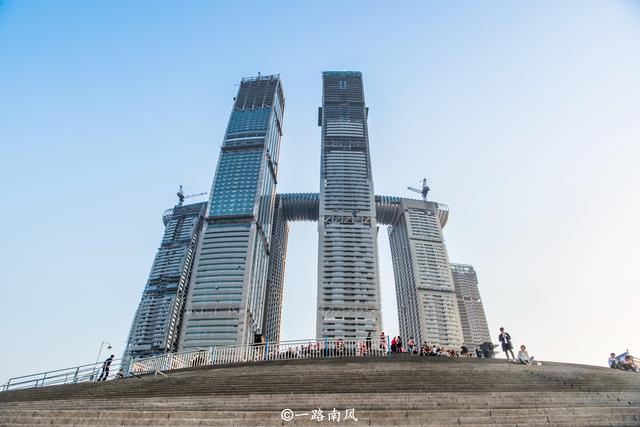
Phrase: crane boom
(195, 195)
(424, 191)
(182, 196)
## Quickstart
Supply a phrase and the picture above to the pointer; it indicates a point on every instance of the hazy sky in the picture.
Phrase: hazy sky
(524, 117)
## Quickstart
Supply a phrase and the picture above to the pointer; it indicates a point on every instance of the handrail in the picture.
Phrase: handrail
(73, 375)
(58, 370)
(283, 350)
(221, 355)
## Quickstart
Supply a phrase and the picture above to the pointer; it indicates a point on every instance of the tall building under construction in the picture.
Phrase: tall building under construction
(348, 280)
(425, 291)
(225, 303)
(157, 321)
(475, 330)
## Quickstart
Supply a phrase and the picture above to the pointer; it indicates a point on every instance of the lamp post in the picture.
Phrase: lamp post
(95, 367)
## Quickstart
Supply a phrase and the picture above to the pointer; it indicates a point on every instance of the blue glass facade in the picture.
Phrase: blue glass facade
(236, 185)
(225, 304)
(247, 123)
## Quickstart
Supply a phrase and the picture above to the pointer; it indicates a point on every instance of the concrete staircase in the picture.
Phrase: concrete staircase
(399, 390)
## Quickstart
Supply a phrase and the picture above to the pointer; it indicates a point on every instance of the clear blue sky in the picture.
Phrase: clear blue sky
(522, 115)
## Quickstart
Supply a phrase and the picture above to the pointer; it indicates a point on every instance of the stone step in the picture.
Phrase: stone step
(228, 387)
(374, 403)
(272, 414)
(225, 423)
(309, 406)
(338, 381)
(391, 391)
(405, 400)
(591, 423)
(363, 419)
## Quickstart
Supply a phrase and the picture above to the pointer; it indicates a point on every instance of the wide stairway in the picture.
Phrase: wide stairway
(398, 390)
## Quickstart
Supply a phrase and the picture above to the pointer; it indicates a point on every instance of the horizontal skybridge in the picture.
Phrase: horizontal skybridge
(306, 207)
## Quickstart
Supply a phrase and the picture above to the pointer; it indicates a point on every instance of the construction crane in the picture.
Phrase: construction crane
(424, 191)
(181, 196)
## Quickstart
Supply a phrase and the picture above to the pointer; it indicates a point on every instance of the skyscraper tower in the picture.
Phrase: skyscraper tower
(427, 306)
(156, 324)
(275, 280)
(474, 322)
(226, 298)
(236, 284)
(348, 284)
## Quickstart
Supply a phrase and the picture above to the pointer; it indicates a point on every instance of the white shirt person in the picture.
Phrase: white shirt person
(523, 356)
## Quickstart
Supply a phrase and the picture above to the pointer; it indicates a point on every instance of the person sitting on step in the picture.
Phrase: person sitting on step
(523, 356)
(614, 362)
(424, 350)
(629, 364)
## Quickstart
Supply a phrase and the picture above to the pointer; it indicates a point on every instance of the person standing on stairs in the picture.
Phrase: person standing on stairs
(105, 369)
(505, 340)
(410, 345)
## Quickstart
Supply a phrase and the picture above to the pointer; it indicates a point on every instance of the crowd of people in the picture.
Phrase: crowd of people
(625, 362)
(396, 344)
(425, 349)
(370, 346)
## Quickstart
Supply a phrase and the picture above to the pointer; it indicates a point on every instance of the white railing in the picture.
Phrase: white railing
(285, 350)
(171, 361)
(76, 374)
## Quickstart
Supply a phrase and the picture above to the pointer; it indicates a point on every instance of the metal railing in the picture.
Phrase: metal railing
(223, 355)
(73, 375)
(284, 350)
(171, 361)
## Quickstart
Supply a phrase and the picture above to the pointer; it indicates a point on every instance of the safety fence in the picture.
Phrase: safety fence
(301, 349)
(100, 371)
(223, 355)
